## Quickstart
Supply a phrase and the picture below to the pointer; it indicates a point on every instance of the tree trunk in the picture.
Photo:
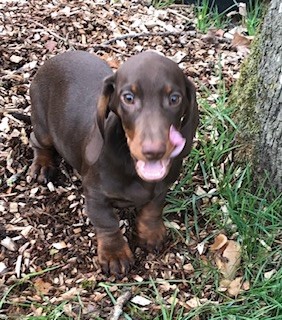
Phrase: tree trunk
(258, 100)
(269, 95)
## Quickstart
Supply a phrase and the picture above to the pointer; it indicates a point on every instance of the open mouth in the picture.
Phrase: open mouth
(156, 170)
(152, 170)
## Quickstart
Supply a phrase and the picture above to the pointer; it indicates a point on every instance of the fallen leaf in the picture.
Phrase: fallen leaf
(188, 268)
(70, 294)
(200, 247)
(194, 302)
(223, 285)
(229, 261)
(172, 225)
(50, 45)
(246, 285)
(240, 40)
(173, 300)
(42, 286)
(269, 274)
(235, 287)
(219, 242)
(200, 191)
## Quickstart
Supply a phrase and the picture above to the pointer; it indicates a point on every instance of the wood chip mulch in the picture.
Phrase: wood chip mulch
(43, 229)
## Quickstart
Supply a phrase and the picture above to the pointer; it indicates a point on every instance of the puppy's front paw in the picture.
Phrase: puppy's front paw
(114, 254)
(151, 235)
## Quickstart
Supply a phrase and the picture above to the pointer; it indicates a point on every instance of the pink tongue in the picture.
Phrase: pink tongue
(151, 170)
(177, 140)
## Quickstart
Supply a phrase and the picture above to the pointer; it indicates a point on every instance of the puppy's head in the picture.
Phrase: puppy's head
(157, 107)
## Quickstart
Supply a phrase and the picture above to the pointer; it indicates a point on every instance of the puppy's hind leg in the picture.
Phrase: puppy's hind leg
(43, 165)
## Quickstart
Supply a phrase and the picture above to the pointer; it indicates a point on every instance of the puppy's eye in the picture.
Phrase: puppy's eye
(175, 99)
(128, 98)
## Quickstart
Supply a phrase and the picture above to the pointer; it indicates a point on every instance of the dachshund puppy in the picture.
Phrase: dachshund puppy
(126, 133)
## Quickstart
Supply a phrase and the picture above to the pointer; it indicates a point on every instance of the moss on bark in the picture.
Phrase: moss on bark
(243, 101)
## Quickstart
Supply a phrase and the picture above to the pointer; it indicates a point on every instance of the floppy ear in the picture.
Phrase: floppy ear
(95, 139)
(191, 117)
(103, 102)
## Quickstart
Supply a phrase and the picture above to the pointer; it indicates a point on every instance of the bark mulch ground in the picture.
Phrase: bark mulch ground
(45, 227)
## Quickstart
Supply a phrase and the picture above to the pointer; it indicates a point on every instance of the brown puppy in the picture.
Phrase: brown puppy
(125, 133)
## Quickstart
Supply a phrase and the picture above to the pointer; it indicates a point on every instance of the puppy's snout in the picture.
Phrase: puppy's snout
(153, 150)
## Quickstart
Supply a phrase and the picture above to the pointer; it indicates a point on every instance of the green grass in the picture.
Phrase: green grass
(53, 313)
(161, 4)
(252, 212)
(207, 18)
(252, 215)
(254, 16)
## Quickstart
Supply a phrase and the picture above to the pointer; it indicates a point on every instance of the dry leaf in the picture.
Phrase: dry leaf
(188, 268)
(68, 310)
(50, 45)
(200, 191)
(229, 260)
(173, 300)
(240, 40)
(38, 312)
(42, 286)
(219, 242)
(70, 294)
(172, 225)
(201, 247)
(246, 285)
(223, 285)
(235, 287)
(194, 302)
(269, 274)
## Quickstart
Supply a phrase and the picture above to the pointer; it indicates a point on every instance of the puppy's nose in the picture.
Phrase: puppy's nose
(153, 150)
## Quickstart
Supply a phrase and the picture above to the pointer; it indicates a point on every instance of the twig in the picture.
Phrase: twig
(121, 301)
(54, 34)
(146, 34)
(75, 44)
(179, 14)
(107, 47)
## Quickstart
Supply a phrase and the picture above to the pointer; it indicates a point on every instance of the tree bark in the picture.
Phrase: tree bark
(269, 95)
